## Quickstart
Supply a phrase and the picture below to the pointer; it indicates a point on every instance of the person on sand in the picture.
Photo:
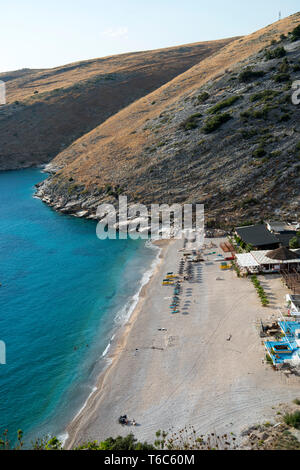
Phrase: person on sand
(133, 422)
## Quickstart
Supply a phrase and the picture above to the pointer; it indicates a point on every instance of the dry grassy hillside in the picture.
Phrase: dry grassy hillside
(48, 109)
(159, 150)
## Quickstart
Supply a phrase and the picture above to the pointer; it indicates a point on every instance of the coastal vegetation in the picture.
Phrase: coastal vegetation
(293, 419)
(278, 435)
(184, 439)
(260, 291)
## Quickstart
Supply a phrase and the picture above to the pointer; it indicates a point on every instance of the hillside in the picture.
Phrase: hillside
(47, 110)
(214, 134)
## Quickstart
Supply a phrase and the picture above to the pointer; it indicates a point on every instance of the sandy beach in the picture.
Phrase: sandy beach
(205, 369)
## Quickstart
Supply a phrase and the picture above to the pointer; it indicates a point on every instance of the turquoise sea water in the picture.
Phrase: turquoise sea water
(62, 290)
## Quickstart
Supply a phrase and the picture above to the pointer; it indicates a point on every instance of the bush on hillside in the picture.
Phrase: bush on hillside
(295, 34)
(215, 122)
(275, 53)
(203, 97)
(284, 66)
(191, 122)
(266, 95)
(249, 75)
(224, 104)
(259, 152)
(282, 77)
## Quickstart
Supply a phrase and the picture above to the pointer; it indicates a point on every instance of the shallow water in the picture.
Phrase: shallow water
(62, 290)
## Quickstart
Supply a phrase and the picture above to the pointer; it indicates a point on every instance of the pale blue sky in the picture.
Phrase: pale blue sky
(42, 33)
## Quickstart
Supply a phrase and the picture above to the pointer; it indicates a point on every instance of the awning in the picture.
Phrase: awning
(247, 260)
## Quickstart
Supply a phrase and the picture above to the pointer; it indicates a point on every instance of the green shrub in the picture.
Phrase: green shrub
(117, 444)
(284, 66)
(248, 133)
(260, 291)
(203, 97)
(249, 75)
(224, 104)
(261, 113)
(216, 122)
(266, 95)
(268, 358)
(191, 123)
(295, 34)
(295, 243)
(246, 114)
(257, 113)
(293, 419)
(275, 53)
(282, 77)
(285, 117)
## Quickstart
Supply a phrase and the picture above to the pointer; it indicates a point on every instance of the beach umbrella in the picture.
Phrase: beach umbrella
(282, 254)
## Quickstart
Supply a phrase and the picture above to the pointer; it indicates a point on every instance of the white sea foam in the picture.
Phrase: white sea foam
(125, 313)
(63, 438)
(85, 403)
(108, 346)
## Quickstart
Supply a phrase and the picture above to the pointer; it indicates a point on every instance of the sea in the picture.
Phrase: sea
(63, 296)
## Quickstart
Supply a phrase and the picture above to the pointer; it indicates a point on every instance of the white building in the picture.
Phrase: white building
(293, 302)
(265, 261)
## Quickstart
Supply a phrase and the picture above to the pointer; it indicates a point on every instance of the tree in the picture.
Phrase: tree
(295, 243)
(120, 443)
(295, 34)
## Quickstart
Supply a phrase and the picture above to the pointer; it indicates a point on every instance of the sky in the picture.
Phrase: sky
(49, 33)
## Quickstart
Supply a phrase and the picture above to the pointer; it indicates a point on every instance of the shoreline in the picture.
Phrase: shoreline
(114, 350)
(169, 371)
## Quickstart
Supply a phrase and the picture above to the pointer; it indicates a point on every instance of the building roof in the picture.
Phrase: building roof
(246, 260)
(285, 237)
(276, 226)
(262, 258)
(282, 254)
(257, 235)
